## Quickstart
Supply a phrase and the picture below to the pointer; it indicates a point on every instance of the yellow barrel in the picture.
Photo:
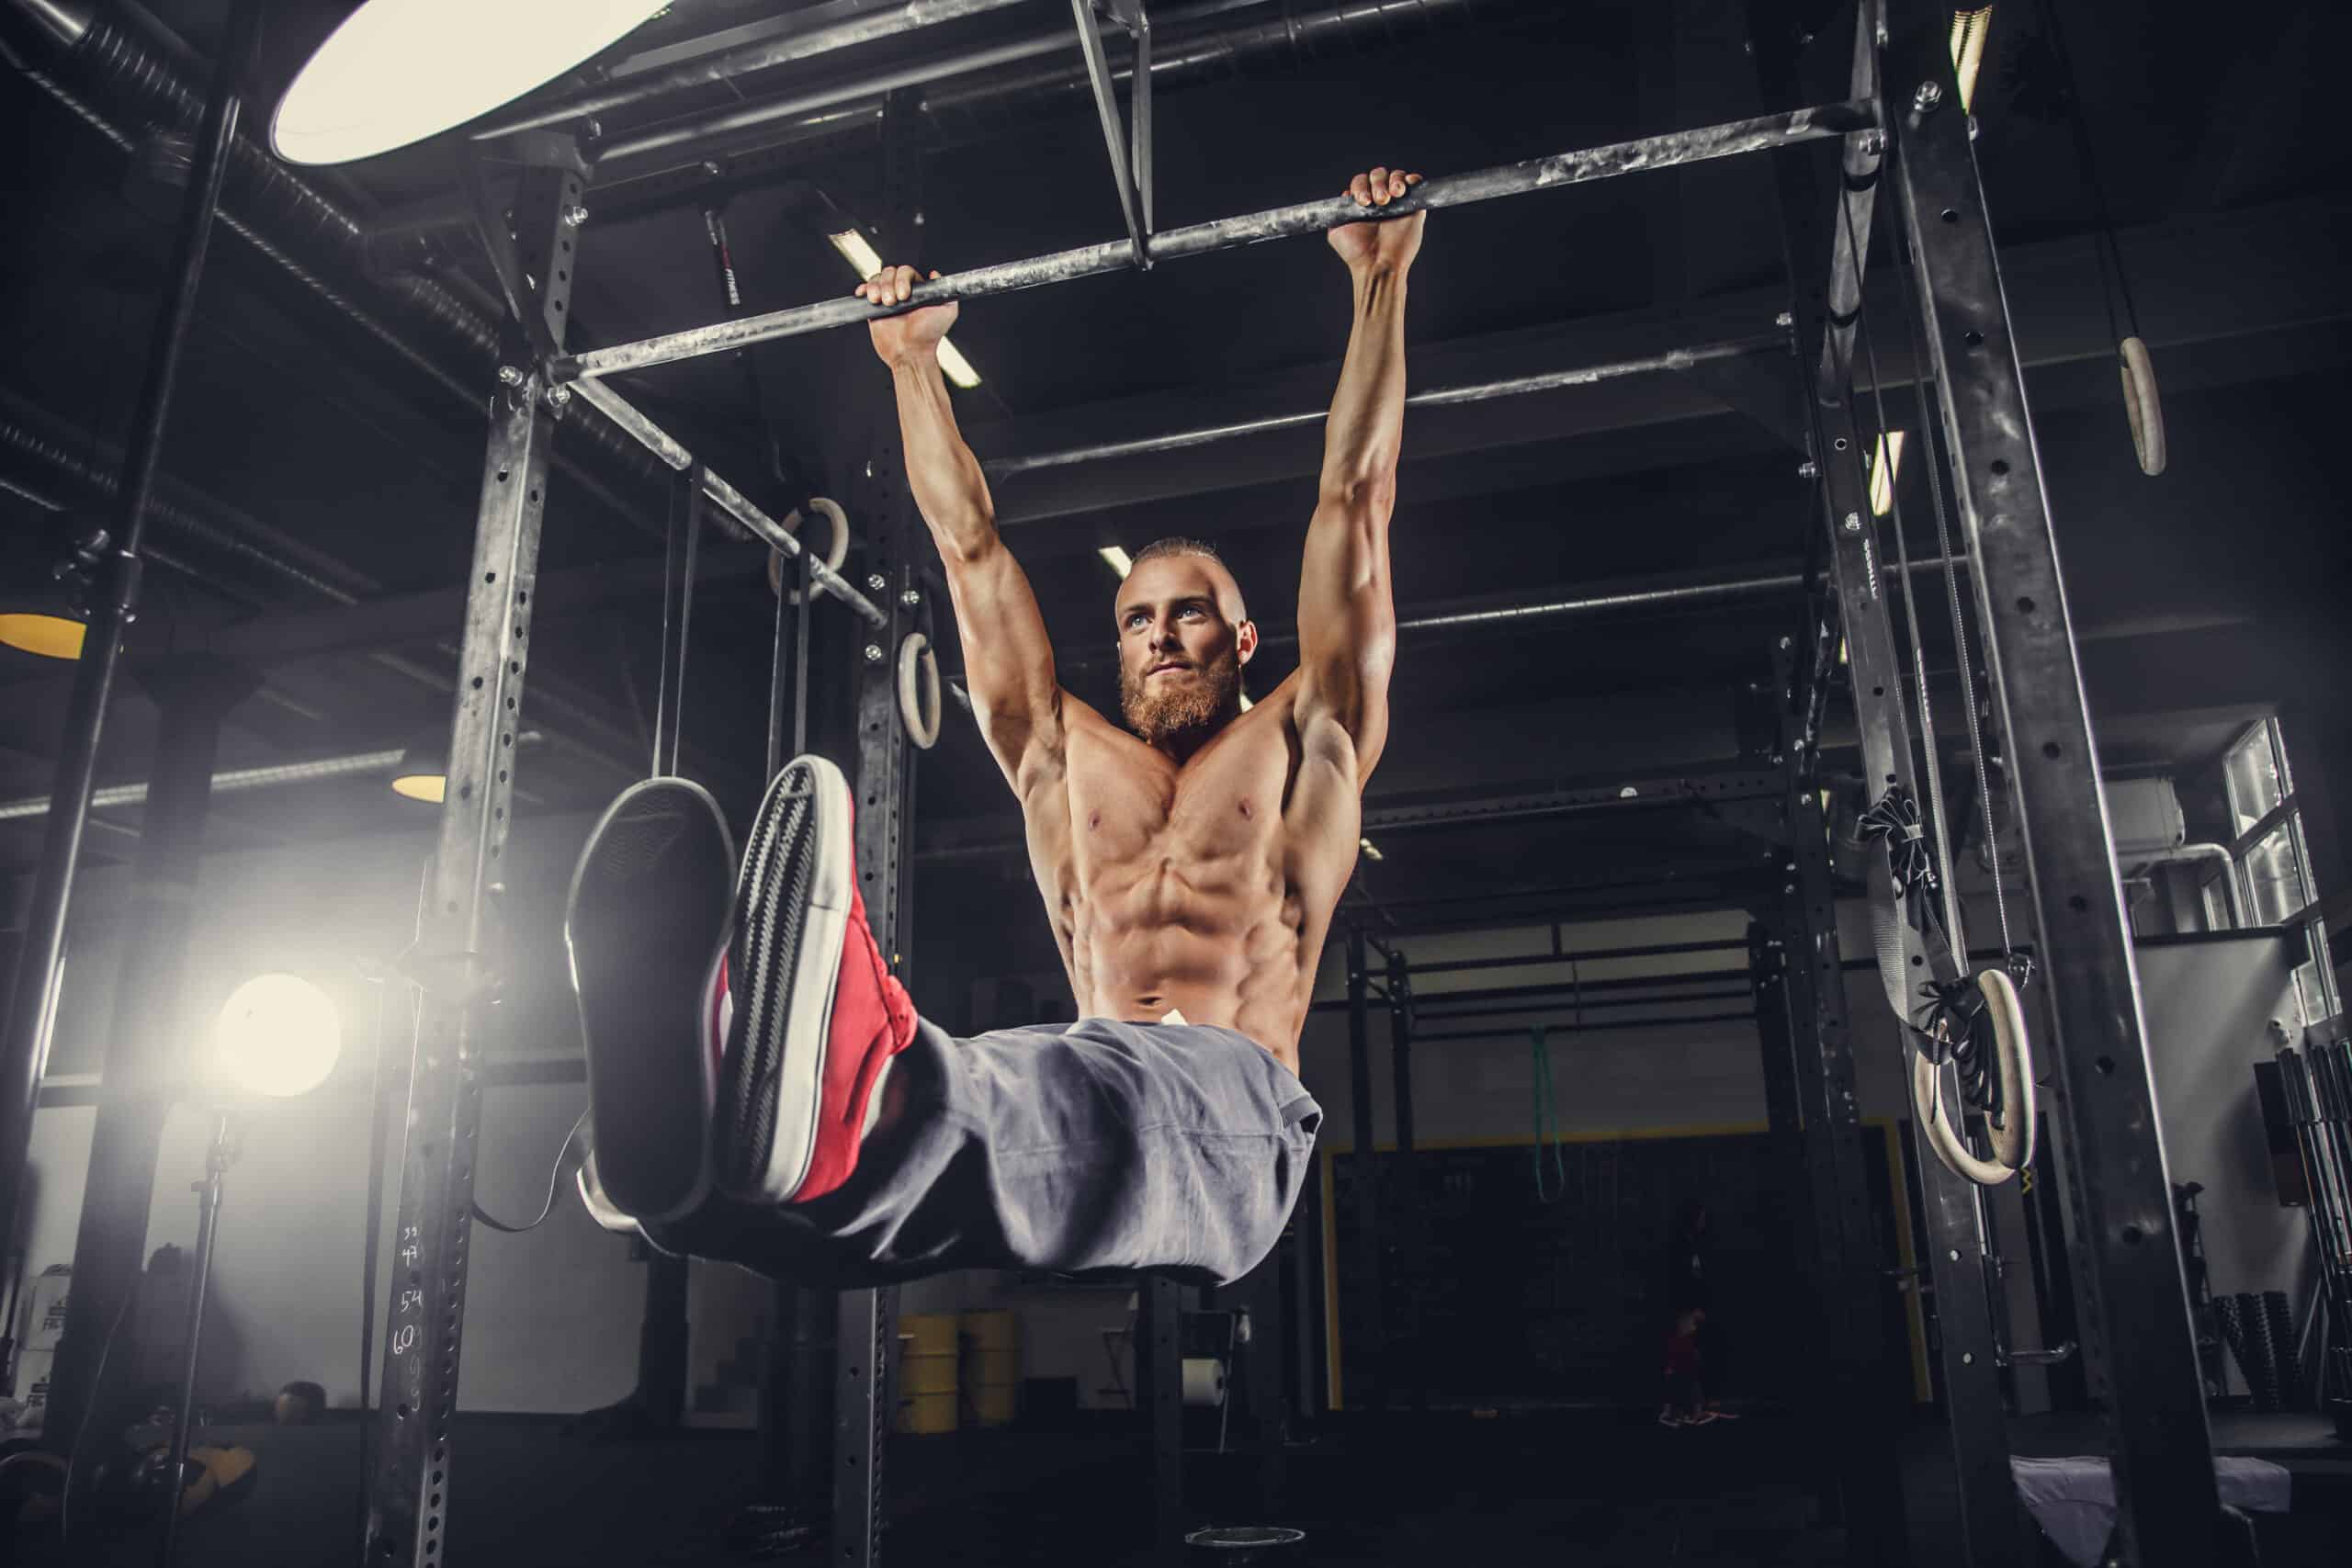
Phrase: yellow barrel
(992, 1354)
(928, 1379)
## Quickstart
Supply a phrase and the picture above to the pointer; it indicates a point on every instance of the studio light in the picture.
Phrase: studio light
(399, 71)
(424, 770)
(278, 1035)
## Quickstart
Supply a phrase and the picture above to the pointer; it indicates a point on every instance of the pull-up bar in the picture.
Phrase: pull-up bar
(1671, 150)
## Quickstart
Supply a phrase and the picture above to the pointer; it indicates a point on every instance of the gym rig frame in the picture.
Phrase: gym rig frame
(1903, 112)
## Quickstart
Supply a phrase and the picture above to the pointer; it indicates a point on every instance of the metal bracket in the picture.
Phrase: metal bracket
(537, 150)
(1130, 153)
(517, 287)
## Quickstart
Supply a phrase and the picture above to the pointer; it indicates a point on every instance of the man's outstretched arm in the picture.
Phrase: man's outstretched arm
(1347, 614)
(1007, 659)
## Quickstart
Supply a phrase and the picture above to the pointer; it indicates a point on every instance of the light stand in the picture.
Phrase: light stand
(216, 1161)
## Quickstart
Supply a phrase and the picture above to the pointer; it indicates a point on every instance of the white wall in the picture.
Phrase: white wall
(2208, 1004)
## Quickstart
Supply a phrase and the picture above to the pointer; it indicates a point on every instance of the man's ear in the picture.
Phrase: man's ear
(1245, 641)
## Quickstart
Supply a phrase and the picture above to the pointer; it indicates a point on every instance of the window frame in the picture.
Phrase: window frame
(2326, 1003)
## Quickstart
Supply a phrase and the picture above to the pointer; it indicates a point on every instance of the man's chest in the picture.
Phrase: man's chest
(1131, 807)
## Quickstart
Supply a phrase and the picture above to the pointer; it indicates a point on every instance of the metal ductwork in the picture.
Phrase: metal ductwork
(971, 91)
(1191, 45)
(35, 456)
(41, 464)
(109, 78)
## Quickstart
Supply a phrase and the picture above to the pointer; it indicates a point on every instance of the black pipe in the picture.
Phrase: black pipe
(25, 1047)
(1577, 1004)
(1371, 1307)
(1436, 1004)
(1747, 1017)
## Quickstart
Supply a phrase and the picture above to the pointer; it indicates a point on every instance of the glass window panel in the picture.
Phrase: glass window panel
(2274, 873)
(2315, 981)
(2251, 775)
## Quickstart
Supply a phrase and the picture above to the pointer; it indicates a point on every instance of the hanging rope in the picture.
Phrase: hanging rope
(1546, 1114)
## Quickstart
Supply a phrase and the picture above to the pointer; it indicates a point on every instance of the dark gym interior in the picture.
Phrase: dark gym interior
(1609, 996)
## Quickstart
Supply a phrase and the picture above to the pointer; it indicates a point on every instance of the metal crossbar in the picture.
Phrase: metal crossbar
(1671, 150)
(758, 524)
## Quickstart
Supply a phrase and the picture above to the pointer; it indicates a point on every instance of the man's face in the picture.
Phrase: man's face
(1184, 638)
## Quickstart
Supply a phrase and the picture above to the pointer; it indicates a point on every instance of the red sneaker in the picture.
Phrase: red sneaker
(813, 1016)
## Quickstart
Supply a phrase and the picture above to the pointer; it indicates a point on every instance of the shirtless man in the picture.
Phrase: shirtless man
(810, 1123)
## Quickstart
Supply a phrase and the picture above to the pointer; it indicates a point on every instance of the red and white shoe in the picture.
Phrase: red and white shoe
(813, 1016)
(646, 928)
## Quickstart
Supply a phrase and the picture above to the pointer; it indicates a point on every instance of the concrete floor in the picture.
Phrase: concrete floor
(1594, 1487)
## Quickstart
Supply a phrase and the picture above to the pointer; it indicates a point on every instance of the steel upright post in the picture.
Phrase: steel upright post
(1411, 1229)
(866, 1322)
(1371, 1372)
(2137, 1329)
(146, 1061)
(454, 962)
(1869, 1480)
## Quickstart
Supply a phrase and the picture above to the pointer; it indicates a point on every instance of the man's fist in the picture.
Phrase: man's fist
(913, 336)
(1391, 243)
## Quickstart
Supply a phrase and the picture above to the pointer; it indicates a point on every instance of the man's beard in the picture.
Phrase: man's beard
(1184, 713)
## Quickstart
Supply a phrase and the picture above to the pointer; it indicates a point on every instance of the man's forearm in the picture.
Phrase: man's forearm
(945, 479)
(1367, 424)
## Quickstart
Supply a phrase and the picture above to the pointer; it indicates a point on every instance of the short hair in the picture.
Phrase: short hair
(1177, 545)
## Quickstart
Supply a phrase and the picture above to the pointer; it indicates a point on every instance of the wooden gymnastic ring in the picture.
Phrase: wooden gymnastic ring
(918, 694)
(836, 550)
(2013, 1139)
(2140, 402)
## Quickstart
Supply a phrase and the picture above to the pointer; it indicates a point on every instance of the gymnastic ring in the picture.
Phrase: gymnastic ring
(2013, 1139)
(2140, 402)
(836, 551)
(919, 691)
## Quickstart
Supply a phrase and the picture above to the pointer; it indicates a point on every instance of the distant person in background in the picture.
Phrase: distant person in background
(1688, 1258)
(1685, 1404)
(1689, 1292)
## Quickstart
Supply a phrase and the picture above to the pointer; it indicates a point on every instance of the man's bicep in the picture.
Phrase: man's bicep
(1347, 617)
(1008, 660)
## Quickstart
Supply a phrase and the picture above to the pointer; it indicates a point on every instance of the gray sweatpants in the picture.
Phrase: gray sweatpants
(1093, 1146)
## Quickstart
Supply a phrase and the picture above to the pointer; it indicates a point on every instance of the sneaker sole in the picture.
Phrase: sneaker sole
(792, 903)
(662, 846)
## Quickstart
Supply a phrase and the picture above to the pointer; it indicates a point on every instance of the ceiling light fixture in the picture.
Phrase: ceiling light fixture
(865, 260)
(1370, 853)
(1117, 558)
(424, 771)
(397, 71)
(1886, 466)
(1968, 30)
(44, 630)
